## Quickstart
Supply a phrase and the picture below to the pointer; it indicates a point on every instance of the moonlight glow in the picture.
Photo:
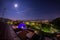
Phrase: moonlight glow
(15, 5)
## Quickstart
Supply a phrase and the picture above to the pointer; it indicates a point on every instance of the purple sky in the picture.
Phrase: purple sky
(30, 9)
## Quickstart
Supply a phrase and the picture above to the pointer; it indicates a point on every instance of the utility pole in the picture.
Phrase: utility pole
(3, 13)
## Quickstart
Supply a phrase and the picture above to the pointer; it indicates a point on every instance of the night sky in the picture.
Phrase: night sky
(30, 9)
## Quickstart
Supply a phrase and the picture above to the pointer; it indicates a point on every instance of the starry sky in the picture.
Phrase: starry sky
(30, 9)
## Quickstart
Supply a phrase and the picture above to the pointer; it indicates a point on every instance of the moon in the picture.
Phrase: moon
(16, 5)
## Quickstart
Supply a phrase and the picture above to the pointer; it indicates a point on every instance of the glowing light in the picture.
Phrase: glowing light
(33, 23)
(36, 32)
(27, 23)
(15, 5)
(22, 25)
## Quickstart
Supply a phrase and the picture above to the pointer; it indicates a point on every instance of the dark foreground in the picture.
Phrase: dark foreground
(7, 33)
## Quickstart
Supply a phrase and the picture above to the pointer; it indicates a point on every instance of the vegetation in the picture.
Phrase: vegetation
(56, 23)
(52, 27)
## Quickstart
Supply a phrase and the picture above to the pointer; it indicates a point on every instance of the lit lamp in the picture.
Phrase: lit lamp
(33, 23)
(22, 26)
(27, 23)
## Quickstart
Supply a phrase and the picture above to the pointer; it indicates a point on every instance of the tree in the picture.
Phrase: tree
(56, 23)
(46, 28)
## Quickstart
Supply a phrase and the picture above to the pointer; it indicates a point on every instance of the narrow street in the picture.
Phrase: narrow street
(7, 33)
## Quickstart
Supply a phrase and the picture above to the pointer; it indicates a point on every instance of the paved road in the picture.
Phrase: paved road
(13, 34)
(7, 33)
